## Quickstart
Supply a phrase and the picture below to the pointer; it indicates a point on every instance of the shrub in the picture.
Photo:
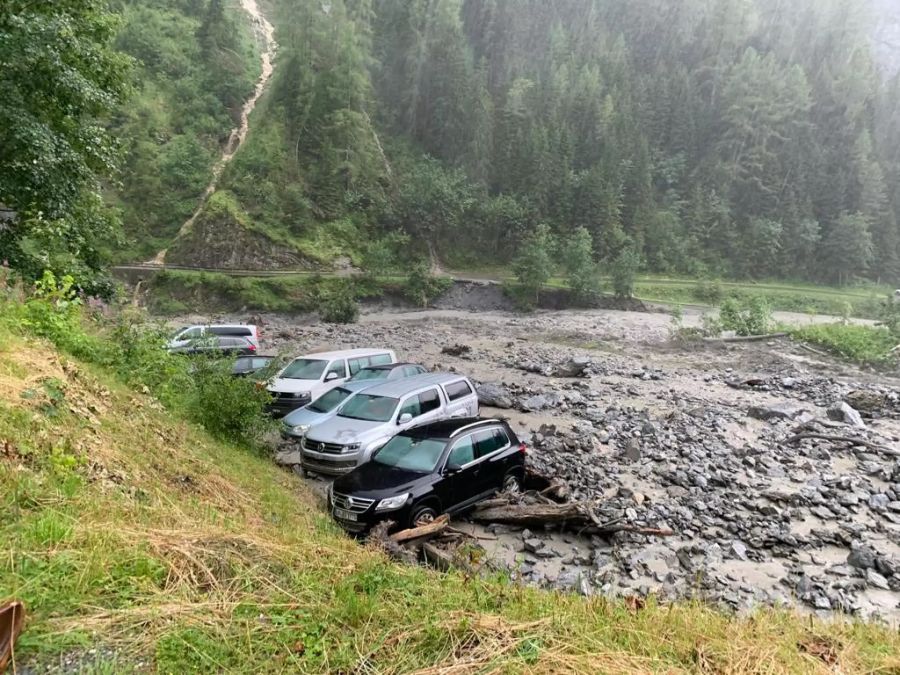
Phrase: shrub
(534, 264)
(422, 287)
(709, 292)
(581, 270)
(862, 344)
(624, 270)
(753, 317)
(339, 305)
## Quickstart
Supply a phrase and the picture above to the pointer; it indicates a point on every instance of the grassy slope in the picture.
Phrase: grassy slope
(139, 535)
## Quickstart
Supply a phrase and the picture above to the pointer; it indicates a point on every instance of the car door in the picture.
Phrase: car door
(461, 399)
(462, 472)
(424, 407)
(490, 447)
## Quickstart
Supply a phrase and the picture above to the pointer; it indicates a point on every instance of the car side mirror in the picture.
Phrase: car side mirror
(452, 468)
(405, 418)
(331, 376)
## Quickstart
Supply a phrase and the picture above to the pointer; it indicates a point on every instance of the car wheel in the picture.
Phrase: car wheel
(512, 484)
(422, 515)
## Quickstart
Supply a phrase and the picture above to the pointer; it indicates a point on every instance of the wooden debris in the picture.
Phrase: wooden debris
(747, 338)
(439, 524)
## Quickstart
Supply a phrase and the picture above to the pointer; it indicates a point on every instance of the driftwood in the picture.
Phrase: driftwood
(554, 488)
(843, 439)
(747, 338)
(438, 525)
(812, 350)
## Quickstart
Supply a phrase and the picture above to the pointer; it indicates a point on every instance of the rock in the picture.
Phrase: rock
(574, 367)
(456, 350)
(288, 457)
(843, 412)
(495, 396)
(875, 580)
(879, 502)
(779, 411)
(603, 436)
(534, 545)
(739, 550)
(862, 558)
(632, 450)
(867, 401)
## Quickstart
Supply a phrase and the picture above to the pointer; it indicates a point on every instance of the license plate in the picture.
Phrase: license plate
(344, 515)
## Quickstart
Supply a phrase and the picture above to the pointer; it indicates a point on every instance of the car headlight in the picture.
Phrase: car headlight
(392, 503)
(300, 429)
(301, 394)
(353, 447)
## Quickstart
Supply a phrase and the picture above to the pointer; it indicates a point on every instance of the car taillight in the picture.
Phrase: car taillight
(252, 347)
(523, 449)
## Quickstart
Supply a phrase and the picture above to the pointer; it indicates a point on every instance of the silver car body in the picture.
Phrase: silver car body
(341, 443)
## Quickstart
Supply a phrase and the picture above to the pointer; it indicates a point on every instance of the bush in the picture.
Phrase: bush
(534, 264)
(709, 292)
(581, 270)
(339, 305)
(624, 270)
(751, 318)
(861, 344)
(422, 287)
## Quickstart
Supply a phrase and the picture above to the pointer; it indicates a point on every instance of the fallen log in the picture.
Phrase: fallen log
(436, 526)
(555, 488)
(379, 537)
(437, 557)
(796, 438)
(747, 338)
(502, 511)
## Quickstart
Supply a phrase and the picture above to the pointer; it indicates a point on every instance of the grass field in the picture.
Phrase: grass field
(137, 541)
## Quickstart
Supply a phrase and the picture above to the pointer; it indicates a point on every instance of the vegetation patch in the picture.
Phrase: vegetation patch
(866, 345)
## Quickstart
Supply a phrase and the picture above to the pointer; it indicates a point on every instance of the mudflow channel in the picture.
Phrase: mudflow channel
(265, 33)
(688, 438)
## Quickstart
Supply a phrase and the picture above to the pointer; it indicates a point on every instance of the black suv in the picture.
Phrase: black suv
(443, 467)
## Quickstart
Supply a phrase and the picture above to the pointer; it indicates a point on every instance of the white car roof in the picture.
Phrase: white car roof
(346, 354)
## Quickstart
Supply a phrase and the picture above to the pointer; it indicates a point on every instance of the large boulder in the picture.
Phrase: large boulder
(574, 367)
(779, 411)
(495, 396)
(843, 412)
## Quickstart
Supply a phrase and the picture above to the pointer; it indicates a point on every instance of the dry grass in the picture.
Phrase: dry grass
(141, 534)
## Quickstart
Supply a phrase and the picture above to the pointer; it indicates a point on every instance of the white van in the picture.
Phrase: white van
(186, 337)
(308, 377)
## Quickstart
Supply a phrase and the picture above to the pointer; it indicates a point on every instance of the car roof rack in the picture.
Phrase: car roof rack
(473, 424)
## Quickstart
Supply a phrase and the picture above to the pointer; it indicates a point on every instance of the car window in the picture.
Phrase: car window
(370, 374)
(428, 401)
(458, 390)
(463, 452)
(411, 406)
(230, 330)
(413, 454)
(488, 441)
(191, 334)
(339, 368)
(370, 408)
(328, 402)
(304, 369)
(410, 371)
(260, 363)
(358, 364)
(380, 360)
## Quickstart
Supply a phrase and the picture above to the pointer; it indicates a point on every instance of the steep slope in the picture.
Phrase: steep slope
(137, 541)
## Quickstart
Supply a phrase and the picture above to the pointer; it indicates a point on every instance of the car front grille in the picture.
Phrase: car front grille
(317, 446)
(352, 504)
(328, 467)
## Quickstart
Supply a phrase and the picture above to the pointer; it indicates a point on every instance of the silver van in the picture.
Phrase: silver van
(371, 418)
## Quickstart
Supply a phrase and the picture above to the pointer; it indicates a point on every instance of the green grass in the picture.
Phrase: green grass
(865, 345)
(128, 530)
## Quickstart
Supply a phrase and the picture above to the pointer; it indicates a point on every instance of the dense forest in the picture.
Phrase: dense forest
(742, 138)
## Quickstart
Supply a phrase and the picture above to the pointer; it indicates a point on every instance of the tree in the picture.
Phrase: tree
(847, 249)
(581, 270)
(534, 264)
(59, 78)
(624, 270)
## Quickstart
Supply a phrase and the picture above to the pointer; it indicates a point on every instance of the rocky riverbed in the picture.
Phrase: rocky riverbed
(699, 439)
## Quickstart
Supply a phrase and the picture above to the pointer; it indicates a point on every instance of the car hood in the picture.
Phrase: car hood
(305, 416)
(344, 430)
(289, 386)
(377, 481)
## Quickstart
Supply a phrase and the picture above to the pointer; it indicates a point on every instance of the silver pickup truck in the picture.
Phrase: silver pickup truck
(374, 416)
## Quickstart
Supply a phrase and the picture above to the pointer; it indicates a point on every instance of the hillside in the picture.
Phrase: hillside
(137, 541)
(718, 138)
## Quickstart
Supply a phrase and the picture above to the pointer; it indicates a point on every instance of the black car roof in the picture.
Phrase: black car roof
(448, 428)
(389, 366)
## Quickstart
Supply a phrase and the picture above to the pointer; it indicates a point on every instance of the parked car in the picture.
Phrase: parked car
(308, 377)
(442, 467)
(245, 366)
(216, 345)
(185, 336)
(298, 422)
(370, 419)
(392, 371)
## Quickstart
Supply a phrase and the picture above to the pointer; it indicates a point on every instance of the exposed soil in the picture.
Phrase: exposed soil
(663, 432)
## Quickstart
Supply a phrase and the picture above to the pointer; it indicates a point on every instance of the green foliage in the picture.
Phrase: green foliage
(709, 292)
(624, 271)
(534, 264)
(582, 274)
(421, 286)
(339, 305)
(865, 345)
(59, 78)
(387, 254)
(752, 318)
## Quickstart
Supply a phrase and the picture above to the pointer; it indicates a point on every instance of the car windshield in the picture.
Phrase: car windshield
(304, 369)
(329, 401)
(369, 408)
(410, 453)
(371, 374)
